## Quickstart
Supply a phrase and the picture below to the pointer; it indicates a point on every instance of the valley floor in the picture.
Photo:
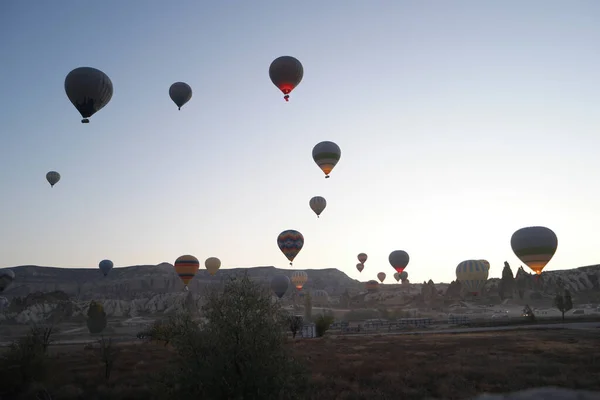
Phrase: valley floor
(448, 366)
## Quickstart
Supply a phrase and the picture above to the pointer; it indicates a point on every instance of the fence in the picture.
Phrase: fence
(458, 319)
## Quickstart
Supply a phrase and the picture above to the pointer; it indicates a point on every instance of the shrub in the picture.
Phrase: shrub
(108, 354)
(295, 324)
(96, 318)
(24, 362)
(239, 353)
(322, 324)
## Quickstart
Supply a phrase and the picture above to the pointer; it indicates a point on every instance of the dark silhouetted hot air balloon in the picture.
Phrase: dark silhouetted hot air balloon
(299, 279)
(362, 257)
(397, 276)
(290, 243)
(360, 267)
(381, 276)
(180, 93)
(105, 266)
(52, 177)
(372, 286)
(399, 260)
(403, 275)
(186, 267)
(326, 155)
(317, 204)
(280, 284)
(212, 265)
(89, 90)
(286, 73)
(535, 246)
(473, 275)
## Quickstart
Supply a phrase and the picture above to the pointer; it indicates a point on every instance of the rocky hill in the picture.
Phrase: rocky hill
(145, 281)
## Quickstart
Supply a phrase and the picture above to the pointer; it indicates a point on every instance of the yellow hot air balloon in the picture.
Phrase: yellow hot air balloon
(212, 265)
(473, 274)
(186, 267)
(299, 278)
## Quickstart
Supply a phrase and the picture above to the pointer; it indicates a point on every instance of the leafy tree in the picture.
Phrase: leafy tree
(295, 323)
(96, 318)
(240, 352)
(307, 307)
(322, 324)
(563, 302)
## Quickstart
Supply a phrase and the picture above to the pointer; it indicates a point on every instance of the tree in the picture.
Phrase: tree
(307, 307)
(296, 323)
(240, 352)
(96, 321)
(564, 303)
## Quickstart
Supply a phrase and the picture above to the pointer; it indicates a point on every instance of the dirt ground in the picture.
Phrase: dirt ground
(443, 366)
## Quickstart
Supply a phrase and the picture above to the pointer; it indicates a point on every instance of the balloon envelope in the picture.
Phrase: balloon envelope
(89, 90)
(372, 286)
(381, 276)
(286, 73)
(299, 278)
(7, 277)
(473, 274)
(105, 266)
(396, 276)
(362, 257)
(317, 204)
(403, 275)
(186, 267)
(280, 284)
(326, 155)
(535, 246)
(212, 265)
(180, 93)
(52, 177)
(399, 260)
(290, 243)
(360, 267)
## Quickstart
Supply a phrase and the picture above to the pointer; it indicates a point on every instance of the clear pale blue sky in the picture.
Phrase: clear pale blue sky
(459, 122)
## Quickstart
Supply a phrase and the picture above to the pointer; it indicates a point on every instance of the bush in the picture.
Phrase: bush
(24, 362)
(107, 354)
(322, 324)
(96, 321)
(239, 353)
(295, 324)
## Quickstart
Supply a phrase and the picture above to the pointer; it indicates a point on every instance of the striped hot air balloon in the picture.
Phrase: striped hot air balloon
(186, 267)
(535, 246)
(473, 274)
(299, 279)
(290, 243)
(326, 155)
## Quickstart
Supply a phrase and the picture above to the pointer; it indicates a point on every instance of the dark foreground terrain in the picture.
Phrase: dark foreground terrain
(440, 366)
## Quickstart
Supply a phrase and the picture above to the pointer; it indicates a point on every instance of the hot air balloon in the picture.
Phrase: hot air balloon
(326, 155)
(299, 278)
(403, 275)
(360, 267)
(89, 90)
(362, 257)
(320, 297)
(535, 246)
(105, 266)
(7, 276)
(186, 267)
(381, 276)
(212, 265)
(399, 260)
(280, 284)
(180, 93)
(372, 286)
(52, 177)
(473, 275)
(486, 264)
(286, 73)
(397, 276)
(290, 243)
(317, 204)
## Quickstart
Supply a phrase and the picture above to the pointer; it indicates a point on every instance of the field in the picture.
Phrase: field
(449, 366)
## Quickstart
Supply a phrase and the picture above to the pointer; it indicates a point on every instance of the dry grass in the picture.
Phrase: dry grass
(372, 367)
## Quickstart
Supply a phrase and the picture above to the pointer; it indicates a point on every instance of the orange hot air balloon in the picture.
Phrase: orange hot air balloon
(286, 73)
(298, 279)
(186, 267)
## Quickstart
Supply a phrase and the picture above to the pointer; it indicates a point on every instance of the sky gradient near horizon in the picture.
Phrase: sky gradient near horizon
(459, 123)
